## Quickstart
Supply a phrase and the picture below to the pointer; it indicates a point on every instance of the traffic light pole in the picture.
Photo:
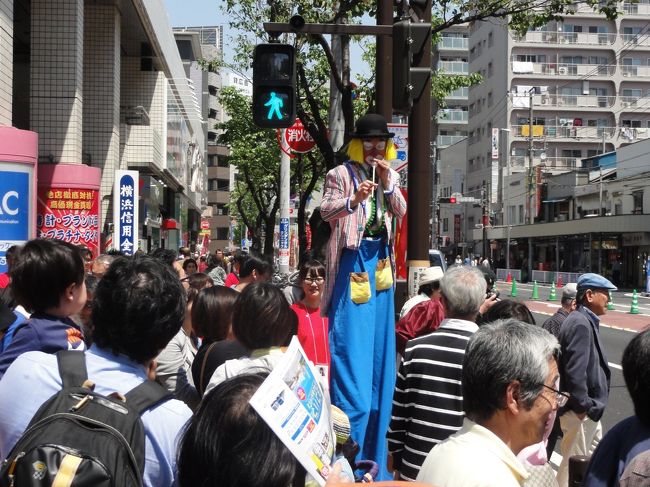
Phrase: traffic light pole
(384, 57)
(419, 170)
(285, 176)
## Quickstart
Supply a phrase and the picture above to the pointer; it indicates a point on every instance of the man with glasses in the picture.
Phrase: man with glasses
(583, 371)
(508, 388)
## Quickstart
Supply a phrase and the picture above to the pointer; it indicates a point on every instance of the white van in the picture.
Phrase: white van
(437, 258)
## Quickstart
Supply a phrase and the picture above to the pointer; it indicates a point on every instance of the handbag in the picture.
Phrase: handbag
(383, 274)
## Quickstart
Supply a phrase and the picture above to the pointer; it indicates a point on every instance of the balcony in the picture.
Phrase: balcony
(455, 43)
(552, 100)
(551, 132)
(453, 116)
(572, 38)
(632, 134)
(458, 94)
(636, 39)
(445, 140)
(563, 69)
(552, 162)
(636, 8)
(635, 101)
(454, 67)
(640, 71)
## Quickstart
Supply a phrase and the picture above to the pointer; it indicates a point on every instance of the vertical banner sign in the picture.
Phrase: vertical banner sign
(401, 142)
(284, 242)
(456, 229)
(69, 214)
(125, 211)
(495, 144)
(15, 194)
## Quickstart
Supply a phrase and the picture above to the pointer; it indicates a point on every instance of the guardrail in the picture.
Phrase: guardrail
(551, 276)
(502, 274)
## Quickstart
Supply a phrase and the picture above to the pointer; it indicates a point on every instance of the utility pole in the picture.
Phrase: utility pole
(529, 178)
(384, 57)
(435, 225)
(486, 218)
(285, 176)
(419, 171)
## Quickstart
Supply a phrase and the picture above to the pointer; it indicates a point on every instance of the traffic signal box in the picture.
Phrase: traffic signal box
(409, 40)
(274, 85)
(451, 199)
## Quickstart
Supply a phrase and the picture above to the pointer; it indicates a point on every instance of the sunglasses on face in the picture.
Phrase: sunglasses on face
(378, 144)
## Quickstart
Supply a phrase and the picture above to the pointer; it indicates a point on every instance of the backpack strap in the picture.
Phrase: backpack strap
(72, 367)
(147, 395)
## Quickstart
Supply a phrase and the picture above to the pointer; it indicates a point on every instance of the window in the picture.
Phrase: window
(490, 102)
(221, 209)
(212, 90)
(490, 40)
(445, 224)
(635, 124)
(223, 162)
(490, 70)
(218, 185)
(212, 113)
(212, 161)
(223, 233)
(521, 214)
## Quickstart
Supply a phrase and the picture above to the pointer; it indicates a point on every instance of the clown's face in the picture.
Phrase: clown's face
(374, 148)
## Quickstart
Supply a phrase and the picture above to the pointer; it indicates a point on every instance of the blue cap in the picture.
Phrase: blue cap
(595, 281)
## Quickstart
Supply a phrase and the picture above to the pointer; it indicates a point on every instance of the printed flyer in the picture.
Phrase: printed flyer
(294, 405)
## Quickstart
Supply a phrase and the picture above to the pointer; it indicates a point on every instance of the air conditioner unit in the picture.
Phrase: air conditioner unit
(562, 70)
(544, 100)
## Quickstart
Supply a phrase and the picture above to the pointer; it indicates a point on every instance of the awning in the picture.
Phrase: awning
(556, 200)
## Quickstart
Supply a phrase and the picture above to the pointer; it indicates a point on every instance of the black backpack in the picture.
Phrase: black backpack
(81, 438)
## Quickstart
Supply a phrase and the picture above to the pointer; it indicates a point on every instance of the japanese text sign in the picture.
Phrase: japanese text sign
(125, 211)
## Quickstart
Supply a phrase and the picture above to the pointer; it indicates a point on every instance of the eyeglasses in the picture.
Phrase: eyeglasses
(318, 280)
(561, 398)
(369, 144)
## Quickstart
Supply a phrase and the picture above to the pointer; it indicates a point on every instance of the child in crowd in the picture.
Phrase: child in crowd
(48, 281)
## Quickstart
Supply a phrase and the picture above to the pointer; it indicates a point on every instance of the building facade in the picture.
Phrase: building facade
(103, 86)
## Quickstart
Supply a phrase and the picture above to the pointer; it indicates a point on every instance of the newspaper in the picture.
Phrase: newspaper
(293, 403)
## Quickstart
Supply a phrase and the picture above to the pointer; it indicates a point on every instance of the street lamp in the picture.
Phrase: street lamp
(504, 204)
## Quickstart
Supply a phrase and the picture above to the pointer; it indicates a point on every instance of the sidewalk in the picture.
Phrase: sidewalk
(613, 319)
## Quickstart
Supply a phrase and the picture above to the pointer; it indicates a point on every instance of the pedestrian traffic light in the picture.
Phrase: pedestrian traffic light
(409, 41)
(274, 85)
(451, 199)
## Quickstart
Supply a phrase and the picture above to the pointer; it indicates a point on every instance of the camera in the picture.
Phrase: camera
(492, 292)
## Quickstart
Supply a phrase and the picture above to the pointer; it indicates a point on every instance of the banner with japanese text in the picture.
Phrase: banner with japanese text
(69, 214)
(125, 211)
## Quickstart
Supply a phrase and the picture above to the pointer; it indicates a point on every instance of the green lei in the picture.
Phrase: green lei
(371, 229)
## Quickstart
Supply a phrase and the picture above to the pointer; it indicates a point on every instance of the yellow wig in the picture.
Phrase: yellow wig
(355, 150)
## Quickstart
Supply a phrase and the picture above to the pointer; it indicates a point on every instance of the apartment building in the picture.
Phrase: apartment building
(569, 90)
(451, 57)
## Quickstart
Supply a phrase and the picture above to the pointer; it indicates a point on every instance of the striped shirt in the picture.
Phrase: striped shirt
(428, 400)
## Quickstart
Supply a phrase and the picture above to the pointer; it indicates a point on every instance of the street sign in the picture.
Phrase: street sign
(298, 138)
(467, 199)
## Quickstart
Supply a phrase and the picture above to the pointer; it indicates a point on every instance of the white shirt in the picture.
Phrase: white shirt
(472, 457)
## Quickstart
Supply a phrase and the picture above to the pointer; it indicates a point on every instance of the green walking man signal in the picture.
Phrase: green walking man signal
(274, 85)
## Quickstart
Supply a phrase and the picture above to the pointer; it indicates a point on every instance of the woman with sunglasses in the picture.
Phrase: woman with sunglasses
(312, 327)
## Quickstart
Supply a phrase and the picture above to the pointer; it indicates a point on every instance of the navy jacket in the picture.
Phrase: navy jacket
(584, 372)
(42, 333)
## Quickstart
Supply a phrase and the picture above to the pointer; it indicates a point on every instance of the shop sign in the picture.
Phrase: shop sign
(607, 244)
(14, 211)
(125, 213)
(69, 214)
(636, 239)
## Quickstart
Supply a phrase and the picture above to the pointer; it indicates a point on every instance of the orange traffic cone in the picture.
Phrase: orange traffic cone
(509, 278)
(559, 281)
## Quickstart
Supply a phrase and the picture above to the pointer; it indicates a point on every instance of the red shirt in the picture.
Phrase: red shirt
(231, 280)
(313, 331)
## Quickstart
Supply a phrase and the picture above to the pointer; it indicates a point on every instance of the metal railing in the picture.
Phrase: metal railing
(562, 132)
(548, 277)
(460, 93)
(557, 37)
(445, 140)
(562, 69)
(636, 8)
(556, 162)
(454, 67)
(642, 71)
(502, 274)
(453, 43)
(569, 101)
(640, 39)
(453, 116)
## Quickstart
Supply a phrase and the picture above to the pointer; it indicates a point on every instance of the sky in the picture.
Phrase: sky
(184, 13)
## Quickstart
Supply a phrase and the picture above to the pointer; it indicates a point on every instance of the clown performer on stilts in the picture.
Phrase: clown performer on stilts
(360, 199)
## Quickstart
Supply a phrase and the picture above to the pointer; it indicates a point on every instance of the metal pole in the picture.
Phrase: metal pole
(435, 228)
(507, 195)
(419, 170)
(484, 203)
(529, 181)
(600, 196)
(285, 175)
(384, 61)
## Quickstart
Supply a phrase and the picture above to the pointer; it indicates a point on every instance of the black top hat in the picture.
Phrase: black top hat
(371, 125)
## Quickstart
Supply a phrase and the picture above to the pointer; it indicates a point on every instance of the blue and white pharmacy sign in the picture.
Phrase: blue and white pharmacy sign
(15, 197)
(125, 211)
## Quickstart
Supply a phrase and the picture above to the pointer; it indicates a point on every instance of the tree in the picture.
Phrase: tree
(317, 63)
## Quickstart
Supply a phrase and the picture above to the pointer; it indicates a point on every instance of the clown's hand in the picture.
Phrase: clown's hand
(383, 171)
(364, 190)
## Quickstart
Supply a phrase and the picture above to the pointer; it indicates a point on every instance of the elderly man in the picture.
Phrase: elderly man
(568, 304)
(509, 383)
(584, 371)
(428, 403)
